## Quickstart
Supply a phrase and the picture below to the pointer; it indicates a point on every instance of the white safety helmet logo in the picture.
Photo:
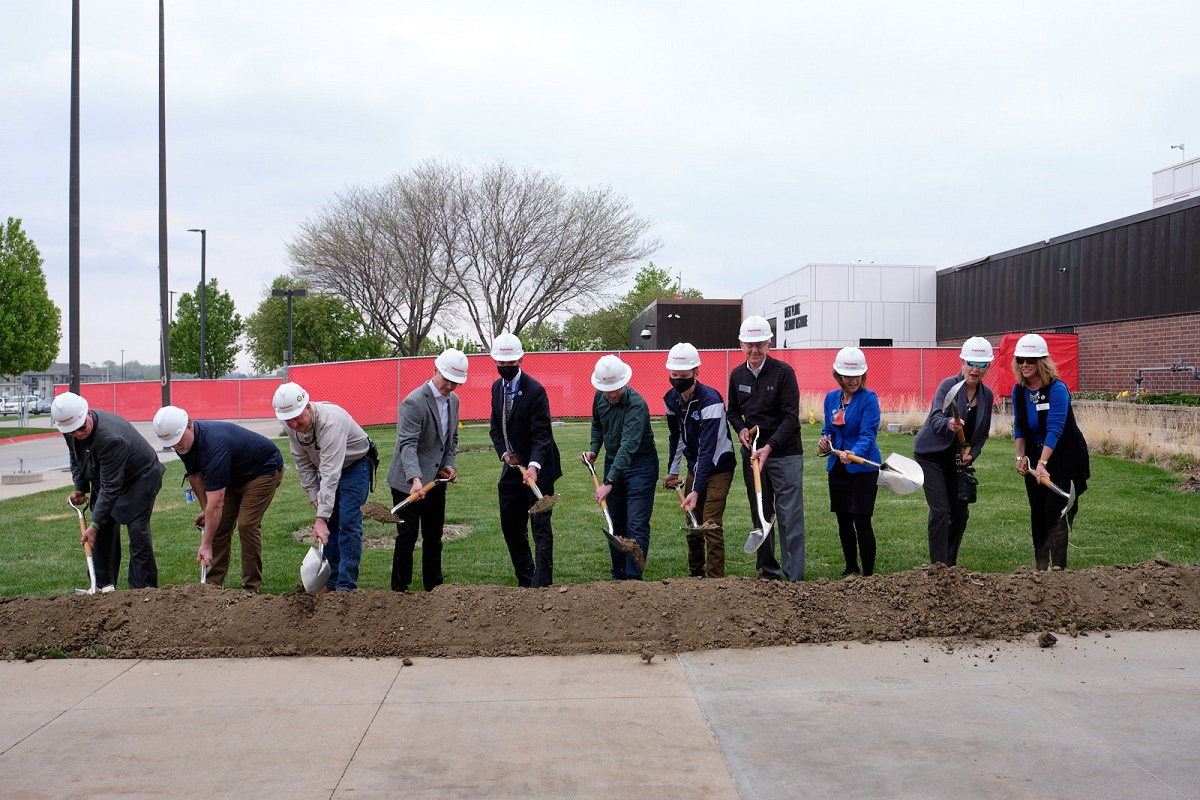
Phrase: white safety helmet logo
(452, 364)
(755, 329)
(611, 373)
(1031, 346)
(683, 356)
(68, 412)
(289, 401)
(507, 347)
(976, 349)
(170, 422)
(850, 362)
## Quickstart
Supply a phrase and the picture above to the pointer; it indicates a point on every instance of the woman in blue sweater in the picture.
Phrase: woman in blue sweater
(1048, 445)
(851, 422)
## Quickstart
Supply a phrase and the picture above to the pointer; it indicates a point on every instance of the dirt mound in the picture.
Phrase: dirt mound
(668, 616)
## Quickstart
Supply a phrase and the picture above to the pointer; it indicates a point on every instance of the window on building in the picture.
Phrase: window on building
(874, 342)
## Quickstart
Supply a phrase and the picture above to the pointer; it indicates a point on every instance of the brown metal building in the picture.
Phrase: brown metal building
(1129, 288)
(707, 324)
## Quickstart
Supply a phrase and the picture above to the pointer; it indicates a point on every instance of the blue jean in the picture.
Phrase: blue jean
(630, 504)
(344, 548)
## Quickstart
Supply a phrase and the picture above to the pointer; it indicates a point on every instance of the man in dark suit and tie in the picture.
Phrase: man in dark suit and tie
(522, 435)
(426, 438)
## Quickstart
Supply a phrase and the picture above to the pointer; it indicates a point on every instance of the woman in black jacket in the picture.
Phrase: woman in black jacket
(949, 442)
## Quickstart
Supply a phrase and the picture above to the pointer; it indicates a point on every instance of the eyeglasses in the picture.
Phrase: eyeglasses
(978, 364)
(1021, 360)
(756, 345)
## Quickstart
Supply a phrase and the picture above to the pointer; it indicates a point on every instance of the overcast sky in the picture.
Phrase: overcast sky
(760, 136)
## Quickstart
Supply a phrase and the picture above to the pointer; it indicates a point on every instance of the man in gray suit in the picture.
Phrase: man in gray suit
(113, 463)
(426, 438)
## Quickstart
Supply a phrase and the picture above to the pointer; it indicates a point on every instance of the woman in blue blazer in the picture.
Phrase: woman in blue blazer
(851, 422)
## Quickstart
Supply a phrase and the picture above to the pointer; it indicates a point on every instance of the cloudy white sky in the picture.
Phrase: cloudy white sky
(759, 136)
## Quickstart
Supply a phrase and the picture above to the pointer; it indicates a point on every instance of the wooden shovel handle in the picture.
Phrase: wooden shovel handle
(87, 549)
(855, 457)
(525, 476)
(596, 482)
(412, 497)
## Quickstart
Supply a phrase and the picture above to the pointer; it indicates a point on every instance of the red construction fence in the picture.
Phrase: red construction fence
(371, 391)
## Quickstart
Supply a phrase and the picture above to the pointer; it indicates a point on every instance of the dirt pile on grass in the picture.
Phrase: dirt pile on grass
(668, 616)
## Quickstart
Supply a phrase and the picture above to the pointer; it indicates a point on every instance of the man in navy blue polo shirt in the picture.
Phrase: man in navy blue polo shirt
(234, 473)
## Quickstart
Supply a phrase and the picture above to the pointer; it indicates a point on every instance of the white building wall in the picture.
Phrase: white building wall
(842, 304)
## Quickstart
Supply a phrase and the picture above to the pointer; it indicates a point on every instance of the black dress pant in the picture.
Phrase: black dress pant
(947, 514)
(536, 568)
(143, 568)
(425, 517)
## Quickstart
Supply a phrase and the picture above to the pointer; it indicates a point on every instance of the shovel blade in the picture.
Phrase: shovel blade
(544, 504)
(314, 570)
(755, 540)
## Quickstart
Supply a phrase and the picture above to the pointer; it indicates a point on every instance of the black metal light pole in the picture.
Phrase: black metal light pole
(165, 355)
(287, 354)
(73, 211)
(203, 250)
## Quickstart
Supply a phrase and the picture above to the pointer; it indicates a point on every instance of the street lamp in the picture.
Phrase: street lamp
(289, 294)
(122, 365)
(203, 251)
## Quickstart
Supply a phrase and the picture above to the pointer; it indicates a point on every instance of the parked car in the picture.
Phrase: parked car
(43, 405)
(13, 405)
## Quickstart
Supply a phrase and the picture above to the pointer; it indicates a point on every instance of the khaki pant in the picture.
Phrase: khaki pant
(245, 507)
(710, 511)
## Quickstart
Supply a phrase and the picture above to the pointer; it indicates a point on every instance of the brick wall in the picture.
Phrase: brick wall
(1110, 354)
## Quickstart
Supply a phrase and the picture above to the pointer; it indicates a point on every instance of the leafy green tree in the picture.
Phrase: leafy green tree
(435, 345)
(222, 327)
(608, 328)
(30, 323)
(324, 328)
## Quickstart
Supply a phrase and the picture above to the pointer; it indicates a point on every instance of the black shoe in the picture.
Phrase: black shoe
(848, 571)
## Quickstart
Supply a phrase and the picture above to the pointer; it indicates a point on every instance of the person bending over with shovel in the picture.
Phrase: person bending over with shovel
(234, 473)
(422, 464)
(699, 434)
(851, 423)
(117, 467)
(621, 423)
(1050, 449)
(521, 434)
(333, 456)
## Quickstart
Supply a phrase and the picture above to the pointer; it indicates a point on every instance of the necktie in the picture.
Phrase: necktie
(508, 401)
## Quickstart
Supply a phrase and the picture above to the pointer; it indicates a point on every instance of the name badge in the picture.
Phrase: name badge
(743, 388)
(1042, 406)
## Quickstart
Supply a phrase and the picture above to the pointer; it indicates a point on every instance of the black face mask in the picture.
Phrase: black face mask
(508, 373)
(683, 384)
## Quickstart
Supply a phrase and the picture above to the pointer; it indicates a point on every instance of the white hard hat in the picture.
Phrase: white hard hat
(453, 365)
(754, 329)
(1031, 346)
(611, 373)
(68, 412)
(683, 356)
(289, 401)
(976, 348)
(850, 361)
(169, 424)
(507, 347)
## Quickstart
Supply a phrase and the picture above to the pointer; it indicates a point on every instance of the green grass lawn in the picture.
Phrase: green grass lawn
(1132, 513)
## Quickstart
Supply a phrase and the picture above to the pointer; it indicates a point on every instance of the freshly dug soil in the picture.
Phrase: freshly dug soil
(200, 621)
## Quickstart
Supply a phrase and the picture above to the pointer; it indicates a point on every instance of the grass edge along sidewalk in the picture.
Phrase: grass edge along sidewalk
(1133, 512)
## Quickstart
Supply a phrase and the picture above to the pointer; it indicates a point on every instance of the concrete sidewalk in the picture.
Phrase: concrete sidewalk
(1093, 717)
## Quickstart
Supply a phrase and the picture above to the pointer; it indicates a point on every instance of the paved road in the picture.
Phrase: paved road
(1093, 717)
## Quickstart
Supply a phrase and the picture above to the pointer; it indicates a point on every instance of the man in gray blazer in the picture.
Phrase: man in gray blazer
(117, 467)
(426, 439)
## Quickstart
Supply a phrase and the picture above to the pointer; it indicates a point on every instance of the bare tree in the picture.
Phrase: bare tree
(505, 249)
(377, 249)
(527, 246)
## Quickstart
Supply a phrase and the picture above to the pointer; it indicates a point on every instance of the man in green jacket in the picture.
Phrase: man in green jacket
(621, 423)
